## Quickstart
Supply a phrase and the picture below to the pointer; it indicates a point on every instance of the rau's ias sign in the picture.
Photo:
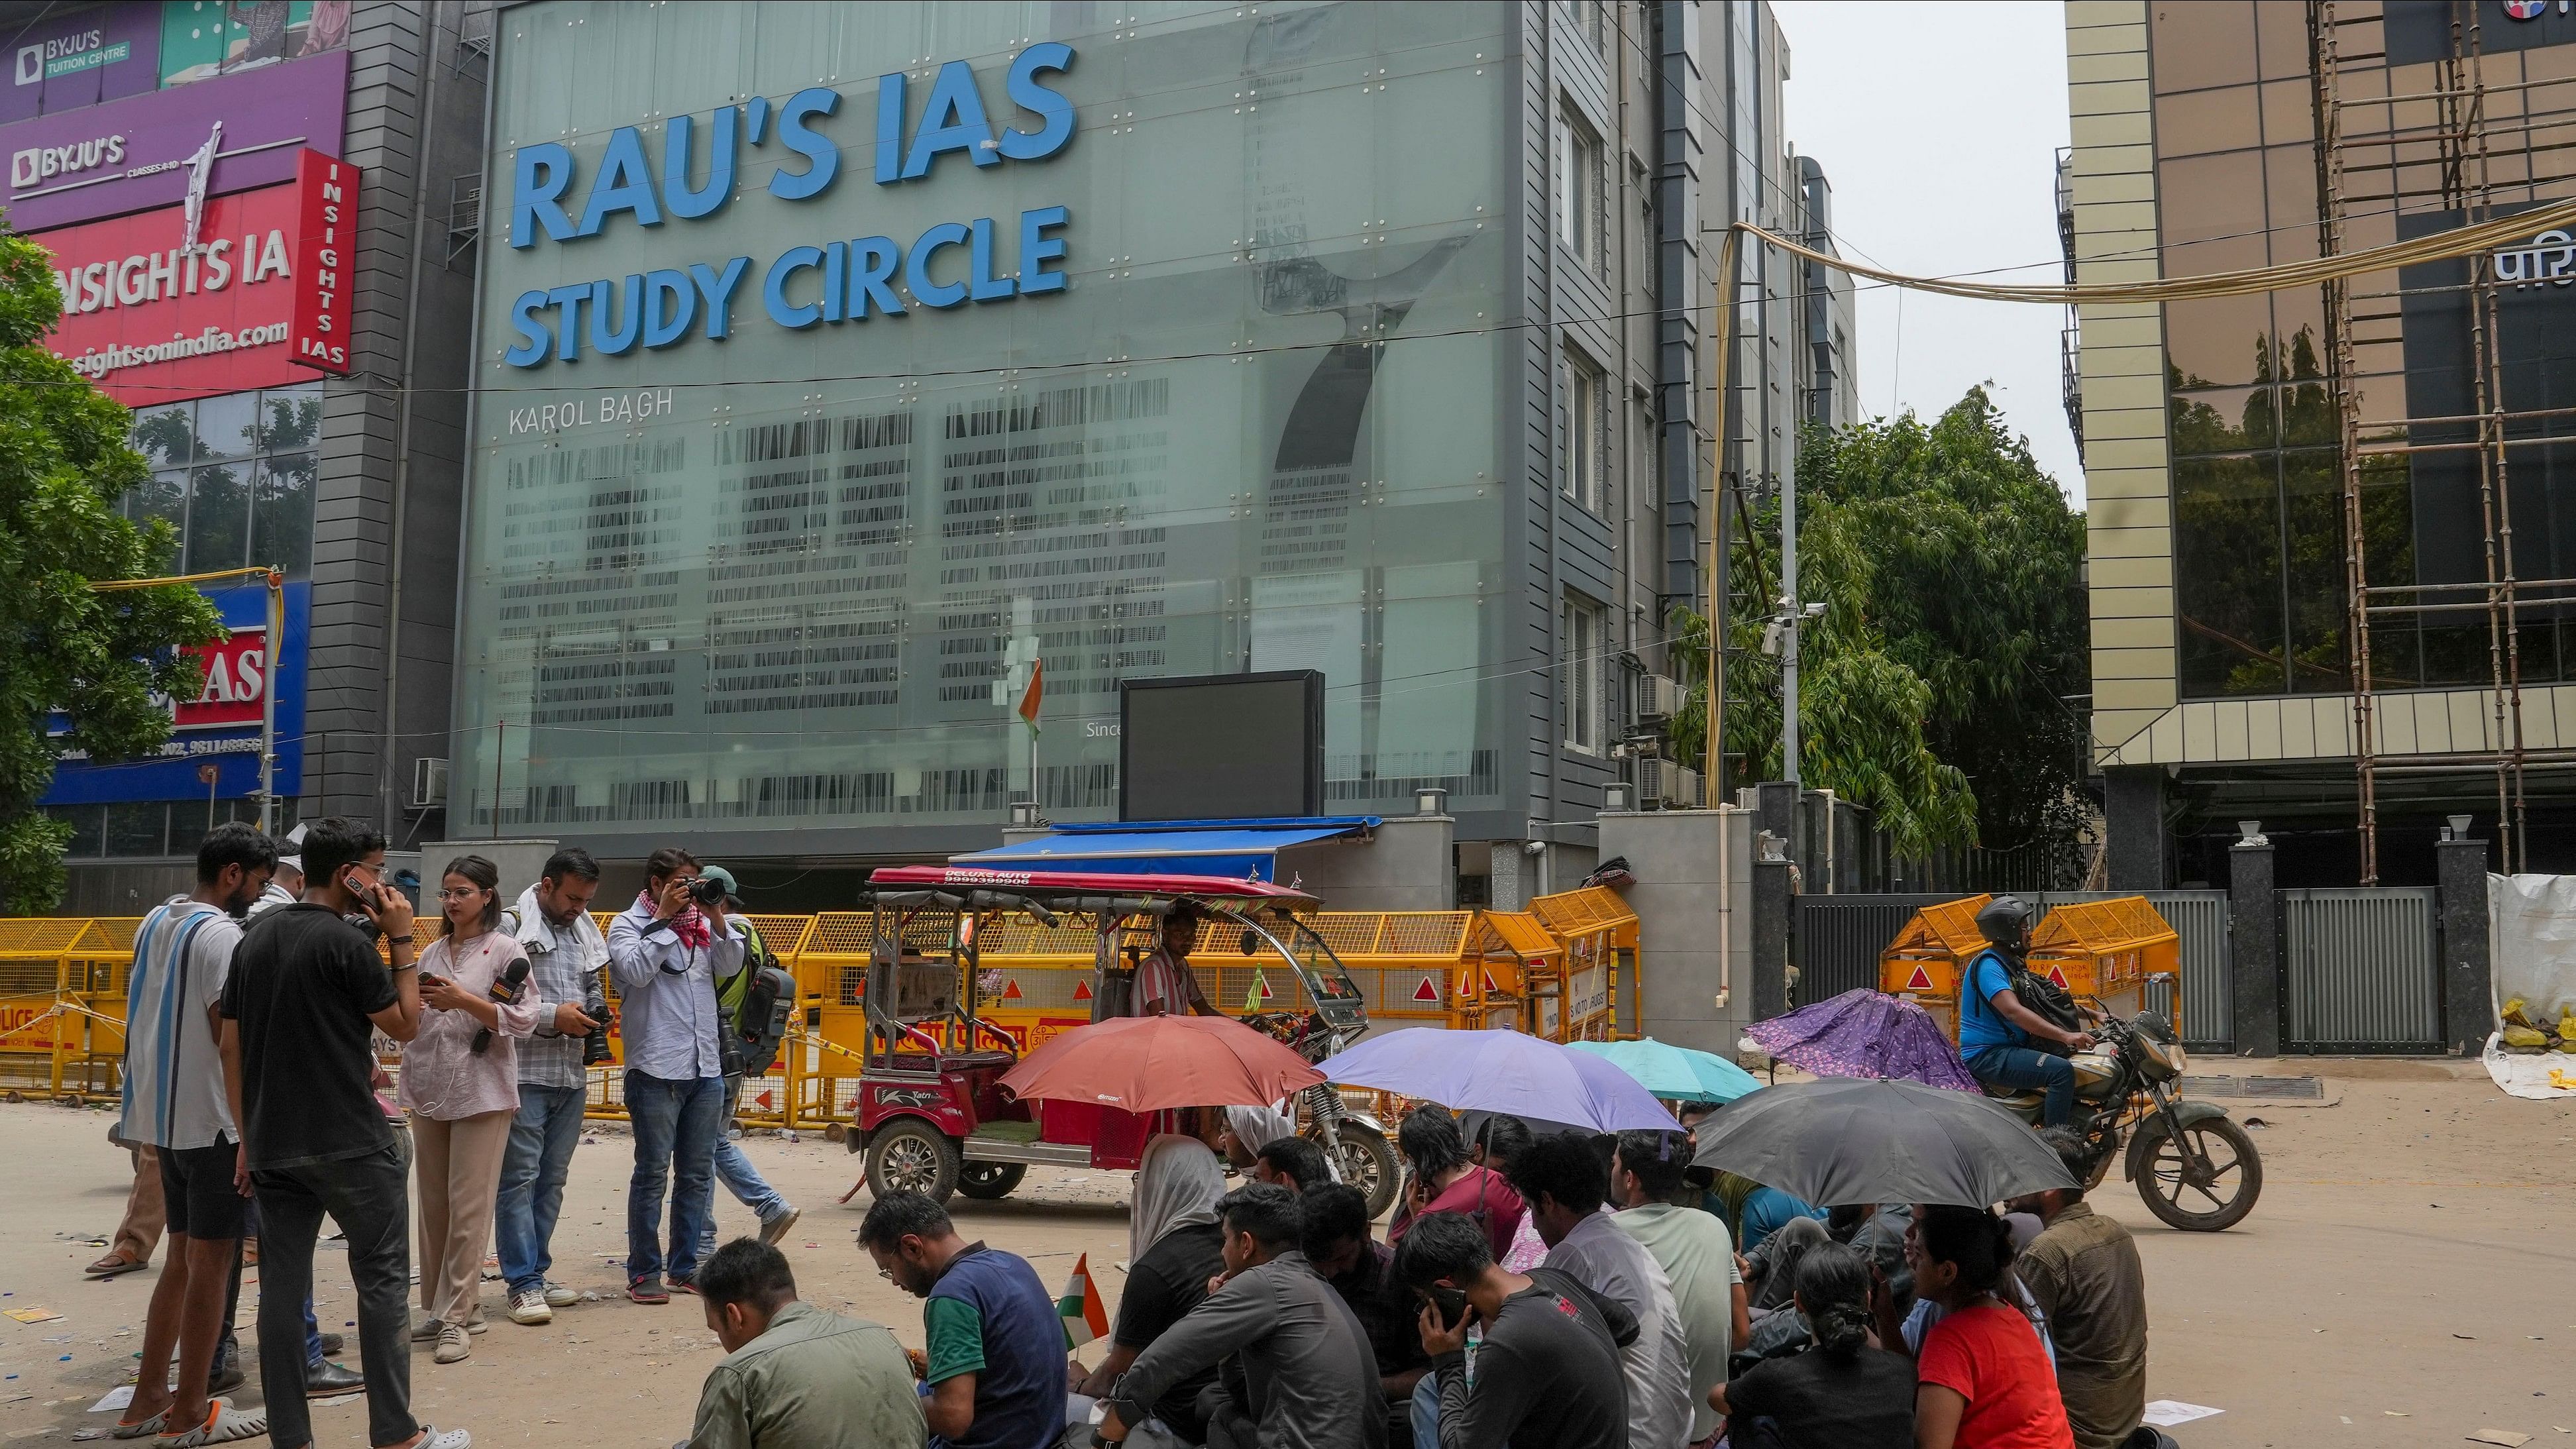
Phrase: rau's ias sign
(822, 282)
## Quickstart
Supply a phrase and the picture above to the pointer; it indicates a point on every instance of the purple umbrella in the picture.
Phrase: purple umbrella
(1500, 1071)
(1863, 1033)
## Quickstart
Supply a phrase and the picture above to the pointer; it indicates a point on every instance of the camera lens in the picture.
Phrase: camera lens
(706, 890)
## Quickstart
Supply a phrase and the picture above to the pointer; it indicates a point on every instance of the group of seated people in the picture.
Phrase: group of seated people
(1536, 1289)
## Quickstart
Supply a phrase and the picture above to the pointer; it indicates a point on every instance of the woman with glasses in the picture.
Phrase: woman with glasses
(460, 1081)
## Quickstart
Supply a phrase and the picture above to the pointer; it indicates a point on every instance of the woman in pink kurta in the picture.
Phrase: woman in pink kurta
(462, 1102)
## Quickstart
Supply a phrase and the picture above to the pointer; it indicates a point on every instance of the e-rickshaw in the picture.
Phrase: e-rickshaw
(931, 1114)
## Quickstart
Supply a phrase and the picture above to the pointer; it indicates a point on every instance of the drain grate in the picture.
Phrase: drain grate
(2277, 1089)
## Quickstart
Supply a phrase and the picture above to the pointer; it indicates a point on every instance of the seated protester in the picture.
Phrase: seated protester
(1547, 1373)
(1766, 1210)
(994, 1360)
(1363, 1271)
(2084, 1273)
(1841, 1392)
(1996, 1030)
(1903, 1318)
(1173, 1249)
(1242, 1131)
(1562, 1179)
(1876, 1232)
(795, 1376)
(1444, 1180)
(1309, 1377)
(1983, 1377)
(1499, 1139)
(1293, 1163)
(1661, 1210)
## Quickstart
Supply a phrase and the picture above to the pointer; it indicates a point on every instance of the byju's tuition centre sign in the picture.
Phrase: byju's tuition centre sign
(820, 280)
(221, 726)
(219, 296)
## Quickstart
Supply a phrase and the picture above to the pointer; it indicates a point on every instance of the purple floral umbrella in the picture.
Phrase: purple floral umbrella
(1863, 1033)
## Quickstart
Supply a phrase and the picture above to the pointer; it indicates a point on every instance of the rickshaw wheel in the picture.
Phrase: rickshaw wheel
(986, 1181)
(910, 1155)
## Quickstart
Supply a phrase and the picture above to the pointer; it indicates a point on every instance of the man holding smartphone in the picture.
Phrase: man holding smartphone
(1548, 1374)
(667, 952)
(307, 989)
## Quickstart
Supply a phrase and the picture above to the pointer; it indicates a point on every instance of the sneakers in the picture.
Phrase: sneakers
(425, 1326)
(453, 1343)
(528, 1306)
(684, 1283)
(776, 1228)
(558, 1296)
(648, 1290)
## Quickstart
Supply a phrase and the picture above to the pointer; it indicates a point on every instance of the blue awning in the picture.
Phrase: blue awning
(1232, 849)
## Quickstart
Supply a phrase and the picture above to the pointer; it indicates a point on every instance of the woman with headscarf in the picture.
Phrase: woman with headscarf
(1174, 1247)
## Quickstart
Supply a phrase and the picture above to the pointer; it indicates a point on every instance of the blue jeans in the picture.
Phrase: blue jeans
(676, 1126)
(735, 1171)
(2023, 1067)
(542, 1138)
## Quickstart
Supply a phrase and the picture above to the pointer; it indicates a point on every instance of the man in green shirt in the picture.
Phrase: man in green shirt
(1661, 1211)
(795, 1376)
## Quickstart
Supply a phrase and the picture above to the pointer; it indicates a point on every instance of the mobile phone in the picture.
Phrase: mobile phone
(1450, 1302)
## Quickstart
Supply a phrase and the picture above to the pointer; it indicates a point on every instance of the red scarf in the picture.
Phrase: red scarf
(689, 925)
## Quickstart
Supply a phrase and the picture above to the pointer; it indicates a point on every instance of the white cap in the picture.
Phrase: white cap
(294, 863)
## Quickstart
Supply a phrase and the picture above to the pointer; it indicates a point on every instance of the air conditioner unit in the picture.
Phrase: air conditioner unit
(1659, 697)
(1665, 785)
(428, 784)
(1686, 790)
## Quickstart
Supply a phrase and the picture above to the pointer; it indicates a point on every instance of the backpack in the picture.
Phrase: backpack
(759, 998)
(2046, 999)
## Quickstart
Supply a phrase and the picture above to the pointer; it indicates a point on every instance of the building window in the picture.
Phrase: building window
(1582, 642)
(235, 477)
(1642, 187)
(1580, 442)
(1579, 185)
(1643, 494)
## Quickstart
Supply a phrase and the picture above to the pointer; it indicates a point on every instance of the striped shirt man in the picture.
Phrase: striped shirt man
(174, 1072)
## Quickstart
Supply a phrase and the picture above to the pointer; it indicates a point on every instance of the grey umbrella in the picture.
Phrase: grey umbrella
(1841, 1140)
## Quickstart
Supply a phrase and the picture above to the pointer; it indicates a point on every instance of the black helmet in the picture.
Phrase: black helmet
(2005, 920)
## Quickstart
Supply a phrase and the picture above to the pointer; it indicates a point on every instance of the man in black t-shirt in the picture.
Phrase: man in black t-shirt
(1363, 1272)
(306, 993)
(1547, 1375)
(1162, 1287)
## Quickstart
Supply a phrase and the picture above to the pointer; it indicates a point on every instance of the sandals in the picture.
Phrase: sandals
(112, 1265)
(145, 1430)
(224, 1425)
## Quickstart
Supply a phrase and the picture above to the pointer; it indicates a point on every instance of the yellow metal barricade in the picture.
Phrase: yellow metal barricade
(2106, 952)
(1603, 992)
(62, 1004)
(1924, 961)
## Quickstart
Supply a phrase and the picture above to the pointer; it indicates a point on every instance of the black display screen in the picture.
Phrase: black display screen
(1222, 746)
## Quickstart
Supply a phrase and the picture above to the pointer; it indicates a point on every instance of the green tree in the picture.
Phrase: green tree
(1933, 690)
(96, 658)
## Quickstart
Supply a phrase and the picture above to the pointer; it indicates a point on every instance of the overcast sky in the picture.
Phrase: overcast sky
(1938, 125)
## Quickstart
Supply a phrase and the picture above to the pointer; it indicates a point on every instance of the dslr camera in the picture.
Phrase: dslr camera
(706, 890)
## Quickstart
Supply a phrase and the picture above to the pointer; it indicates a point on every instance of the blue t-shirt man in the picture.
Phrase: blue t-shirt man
(988, 1315)
(1980, 1025)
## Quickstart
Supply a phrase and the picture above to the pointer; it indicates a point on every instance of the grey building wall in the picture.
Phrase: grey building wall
(385, 519)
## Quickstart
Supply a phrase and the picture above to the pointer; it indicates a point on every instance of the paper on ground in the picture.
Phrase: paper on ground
(115, 1398)
(2165, 1413)
(33, 1315)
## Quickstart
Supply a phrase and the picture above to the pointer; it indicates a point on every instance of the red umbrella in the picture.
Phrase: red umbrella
(1148, 1063)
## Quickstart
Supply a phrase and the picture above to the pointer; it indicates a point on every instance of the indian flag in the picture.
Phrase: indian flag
(1085, 1316)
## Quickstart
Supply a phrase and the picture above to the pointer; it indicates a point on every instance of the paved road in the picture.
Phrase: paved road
(2417, 1209)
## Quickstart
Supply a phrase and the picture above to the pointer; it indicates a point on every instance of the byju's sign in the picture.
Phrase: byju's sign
(825, 282)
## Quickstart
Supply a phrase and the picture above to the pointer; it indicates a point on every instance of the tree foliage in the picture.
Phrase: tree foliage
(1933, 690)
(97, 659)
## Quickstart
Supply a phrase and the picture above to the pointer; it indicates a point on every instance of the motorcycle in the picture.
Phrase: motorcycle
(2195, 1169)
(1358, 1146)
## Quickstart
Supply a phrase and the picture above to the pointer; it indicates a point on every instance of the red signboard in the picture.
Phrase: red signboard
(236, 682)
(326, 219)
(153, 315)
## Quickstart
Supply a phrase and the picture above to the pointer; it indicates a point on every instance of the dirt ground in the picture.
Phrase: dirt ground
(2403, 1281)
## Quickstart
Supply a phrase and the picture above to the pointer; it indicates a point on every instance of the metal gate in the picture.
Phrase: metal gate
(2360, 970)
(1837, 941)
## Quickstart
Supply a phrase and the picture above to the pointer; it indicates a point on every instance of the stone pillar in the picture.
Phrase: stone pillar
(2133, 810)
(2468, 1002)
(2253, 949)
(1510, 886)
(1695, 993)
(1772, 903)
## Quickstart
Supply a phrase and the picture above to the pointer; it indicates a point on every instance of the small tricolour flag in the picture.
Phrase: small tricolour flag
(1034, 694)
(1085, 1316)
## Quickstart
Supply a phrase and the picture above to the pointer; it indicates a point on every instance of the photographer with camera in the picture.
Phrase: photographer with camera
(566, 952)
(753, 1015)
(668, 952)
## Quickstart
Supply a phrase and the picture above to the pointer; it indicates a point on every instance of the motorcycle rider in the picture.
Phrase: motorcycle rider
(1996, 1030)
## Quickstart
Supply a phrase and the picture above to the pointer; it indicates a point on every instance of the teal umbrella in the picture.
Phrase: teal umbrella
(1674, 1073)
